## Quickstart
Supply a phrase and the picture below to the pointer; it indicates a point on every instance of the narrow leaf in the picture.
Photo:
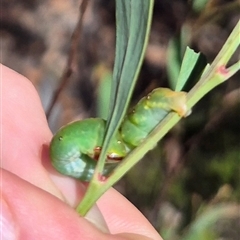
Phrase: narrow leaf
(188, 63)
(133, 26)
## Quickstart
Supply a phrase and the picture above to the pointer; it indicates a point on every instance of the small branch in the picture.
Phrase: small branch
(72, 58)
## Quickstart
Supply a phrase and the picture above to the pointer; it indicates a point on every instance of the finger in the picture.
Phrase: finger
(26, 136)
(122, 216)
(24, 130)
(29, 134)
(31, 213)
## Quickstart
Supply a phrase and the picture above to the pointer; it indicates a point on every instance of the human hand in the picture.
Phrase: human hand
(36, 201)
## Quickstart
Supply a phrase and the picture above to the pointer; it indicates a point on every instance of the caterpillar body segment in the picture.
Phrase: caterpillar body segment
(75, 148)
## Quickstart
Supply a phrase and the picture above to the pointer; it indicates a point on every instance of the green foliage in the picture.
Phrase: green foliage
(199, 5)
(133, 25)
(188, 63)
(184, 65)
(175, 53)
(127, 65)
(202, 227)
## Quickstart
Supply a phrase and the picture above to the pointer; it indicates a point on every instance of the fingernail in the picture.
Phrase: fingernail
(7, 224)
(96, 218)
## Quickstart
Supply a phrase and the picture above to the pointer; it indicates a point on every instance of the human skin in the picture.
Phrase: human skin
(36, 201)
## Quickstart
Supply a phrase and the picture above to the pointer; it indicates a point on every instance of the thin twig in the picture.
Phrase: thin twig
(72, 58)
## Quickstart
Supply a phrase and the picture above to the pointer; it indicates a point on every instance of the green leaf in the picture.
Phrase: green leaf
(133, 25)
(175, 52)
(197, 71)
(184, 66)
(188, 63)
(190, 70)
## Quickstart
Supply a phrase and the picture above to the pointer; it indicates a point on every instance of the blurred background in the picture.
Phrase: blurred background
(189, 185)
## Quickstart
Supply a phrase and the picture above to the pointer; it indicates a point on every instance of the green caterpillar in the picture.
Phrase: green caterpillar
(75, 148)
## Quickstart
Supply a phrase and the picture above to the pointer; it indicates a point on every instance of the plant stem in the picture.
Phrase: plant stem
(216, 74)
